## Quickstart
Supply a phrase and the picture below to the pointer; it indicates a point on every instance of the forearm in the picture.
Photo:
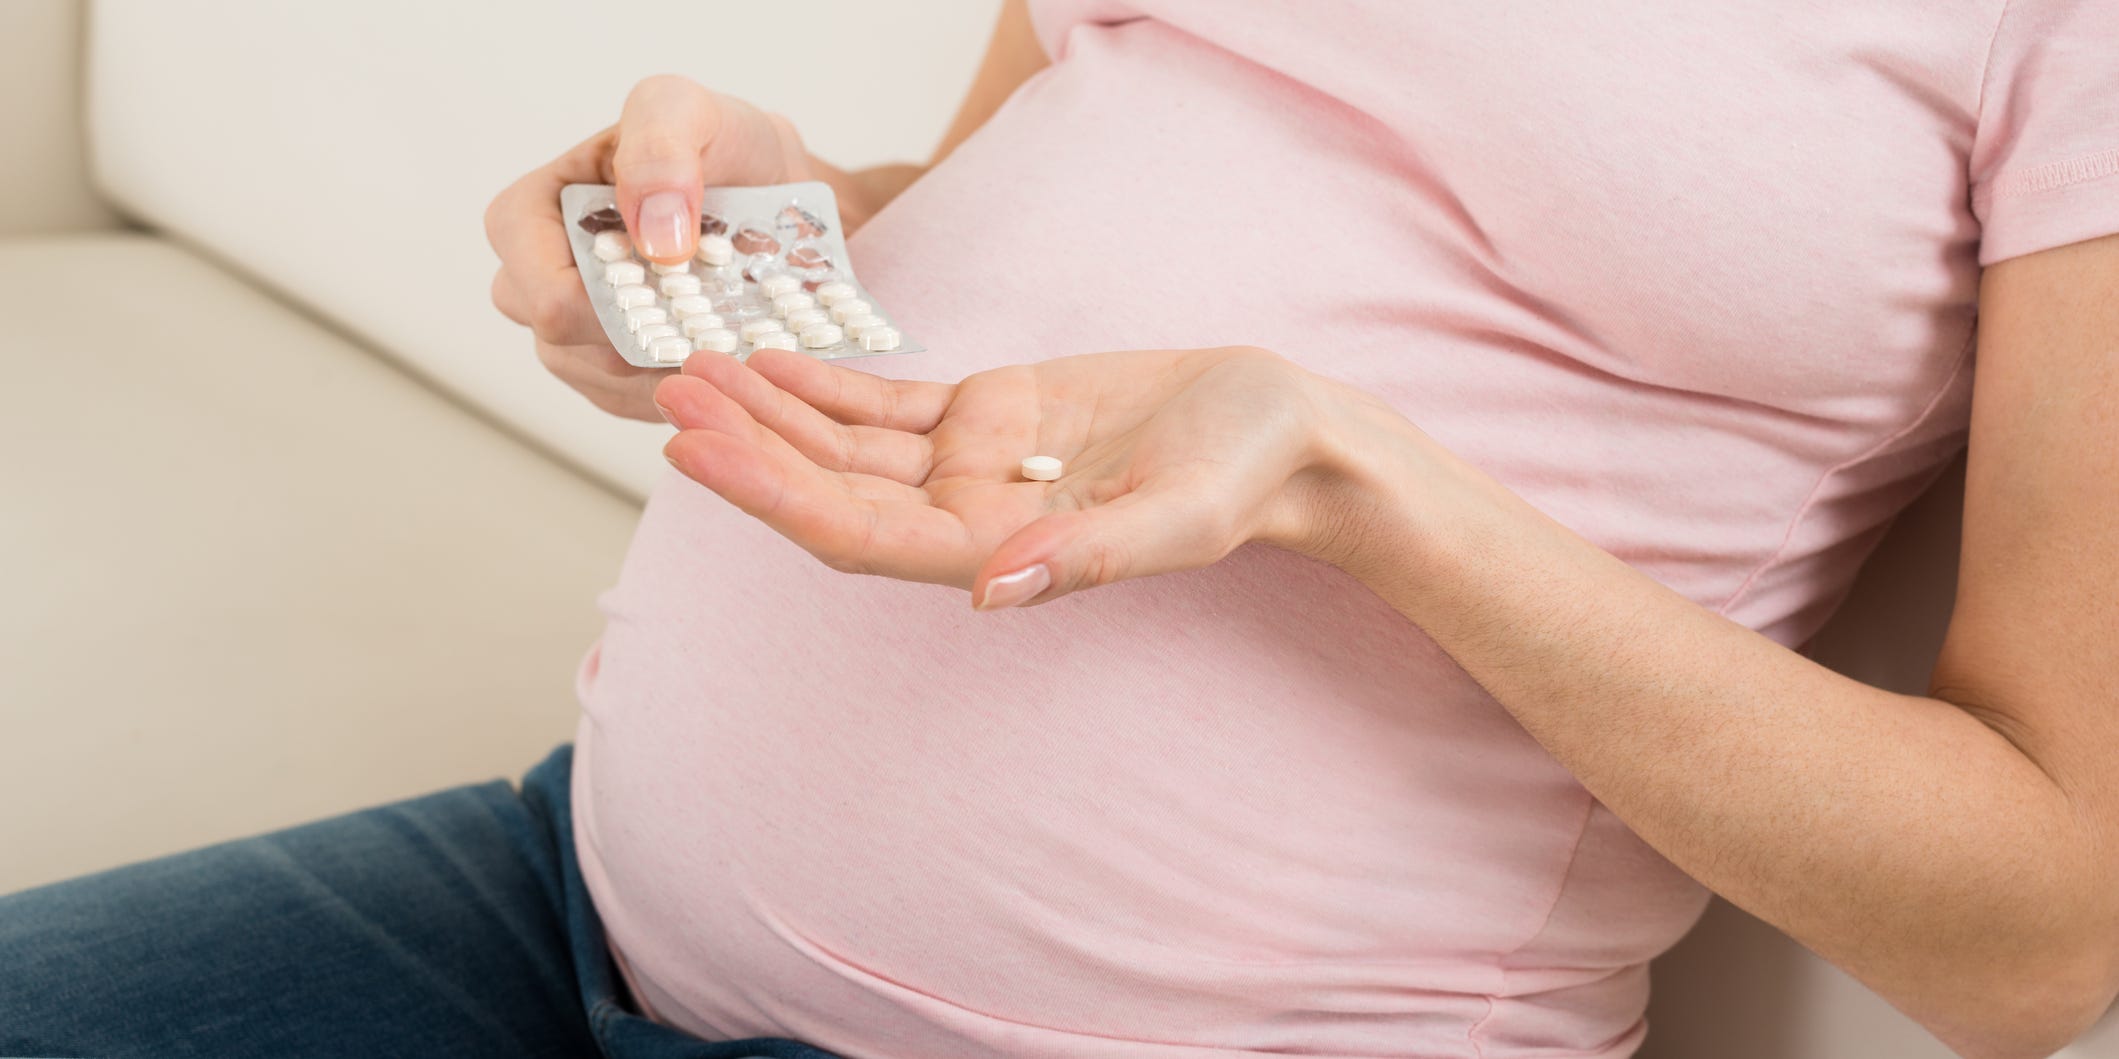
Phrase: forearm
(1897, 835)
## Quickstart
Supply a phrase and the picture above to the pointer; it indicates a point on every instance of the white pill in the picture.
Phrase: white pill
(792, 300)
(666, 270)
(879, 339)
(687, 306)
(634, 294)
(757, 326)
(861, 325)
(623, 273)
(669, 350)
(699, 323)
(1041, 468)
(679, 284)
(640, 316)
(774, 340)
(716, 249)
(611, 246)
(719, 340)
(817, 336)
(802, 319)
(648, 334)
(849, 308)
(836, 291)
(777, 284)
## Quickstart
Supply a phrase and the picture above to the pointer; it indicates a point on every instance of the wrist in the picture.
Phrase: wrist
(1377, 497)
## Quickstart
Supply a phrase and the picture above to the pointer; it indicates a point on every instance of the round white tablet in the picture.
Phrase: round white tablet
(640, 316)
(665, 270)
(679, 284)
(632, 295)
(817, 336)
(1041, 468)
(718, 339)
(700, 323)
(778, 283)
(861, 325)
(835, 292)
(774, 340)
(847, 309)
(622, 273)
(792, 300)
(669, 350)
(716, 249)
(648, 334)
(611, 246)
(801, 319)
(879, 339)
(756, 326)
(687, 306)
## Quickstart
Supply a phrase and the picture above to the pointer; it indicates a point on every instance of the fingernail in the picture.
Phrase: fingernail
(1016, 589)
(663, 224)
(667, 416)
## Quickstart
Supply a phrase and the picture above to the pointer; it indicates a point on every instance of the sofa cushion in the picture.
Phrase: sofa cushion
(254, 574)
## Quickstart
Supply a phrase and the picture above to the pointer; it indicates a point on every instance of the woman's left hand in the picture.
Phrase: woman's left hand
(1173, 459)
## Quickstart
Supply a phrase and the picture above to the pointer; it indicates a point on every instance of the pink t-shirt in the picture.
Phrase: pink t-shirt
(1695, 279)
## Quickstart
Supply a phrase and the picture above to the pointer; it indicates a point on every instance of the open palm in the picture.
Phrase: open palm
(1173, 458)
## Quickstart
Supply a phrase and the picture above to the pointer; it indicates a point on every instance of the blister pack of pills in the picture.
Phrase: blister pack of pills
(771, 272)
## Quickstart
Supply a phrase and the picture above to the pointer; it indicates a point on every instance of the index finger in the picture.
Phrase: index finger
(856, 397)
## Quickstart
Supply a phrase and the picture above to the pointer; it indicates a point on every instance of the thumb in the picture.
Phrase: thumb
(664, 129)
(1133, 536)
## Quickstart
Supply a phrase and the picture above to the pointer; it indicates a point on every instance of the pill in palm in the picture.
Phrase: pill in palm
(1041, 468)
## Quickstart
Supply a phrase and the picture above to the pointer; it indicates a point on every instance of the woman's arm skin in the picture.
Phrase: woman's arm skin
(673, 138)
(1959, 853)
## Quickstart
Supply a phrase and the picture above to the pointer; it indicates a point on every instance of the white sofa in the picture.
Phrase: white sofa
(293, 523)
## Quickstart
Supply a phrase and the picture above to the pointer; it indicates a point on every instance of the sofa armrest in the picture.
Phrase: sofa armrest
(44, 184)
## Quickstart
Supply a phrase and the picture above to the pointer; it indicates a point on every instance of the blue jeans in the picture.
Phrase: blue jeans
(450, 925)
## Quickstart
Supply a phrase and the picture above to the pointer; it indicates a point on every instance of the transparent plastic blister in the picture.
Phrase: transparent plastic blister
(771, 271)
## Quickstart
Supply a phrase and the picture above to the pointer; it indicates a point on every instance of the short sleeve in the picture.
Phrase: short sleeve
(2045, 152)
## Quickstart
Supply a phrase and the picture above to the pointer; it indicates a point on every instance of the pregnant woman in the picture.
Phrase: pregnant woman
(1465, 410)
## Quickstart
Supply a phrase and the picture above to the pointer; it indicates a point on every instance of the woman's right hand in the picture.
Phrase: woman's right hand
(673, 138)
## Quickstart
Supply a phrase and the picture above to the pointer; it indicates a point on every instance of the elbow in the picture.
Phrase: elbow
(2034, 1012)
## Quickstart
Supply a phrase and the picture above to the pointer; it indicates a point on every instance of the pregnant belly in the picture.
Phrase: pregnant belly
(1245, 809)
